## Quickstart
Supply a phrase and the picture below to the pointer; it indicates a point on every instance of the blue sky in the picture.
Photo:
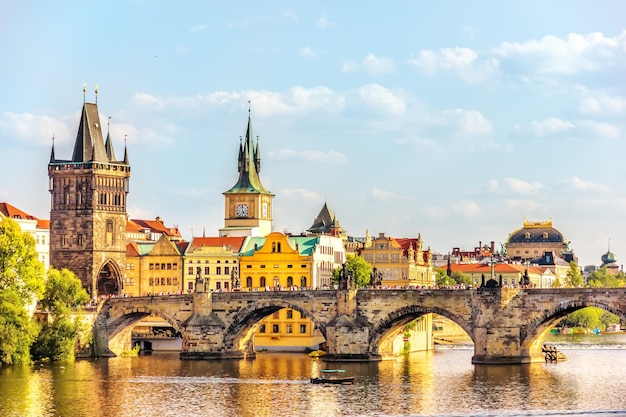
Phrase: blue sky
(455, 120)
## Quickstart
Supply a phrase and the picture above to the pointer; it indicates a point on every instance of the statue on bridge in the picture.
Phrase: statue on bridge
(376, 277)
(234, 279)
(346, 278)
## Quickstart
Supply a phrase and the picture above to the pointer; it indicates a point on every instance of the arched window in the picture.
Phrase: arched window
(278, 244)
(303, 282)
(249, 282)
(262, 283)
(289, 281)
(109, 232)
(276, 282)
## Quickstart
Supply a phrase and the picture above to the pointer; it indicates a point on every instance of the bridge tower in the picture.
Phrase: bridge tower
(88, 208)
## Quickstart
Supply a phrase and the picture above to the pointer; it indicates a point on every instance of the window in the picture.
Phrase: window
(289, 281)
(289, 328)
(218, 270)
(190, 286)
(218, 285)
(226, 270)
(303, 282)
(289, 314)
(249, 282)
(189, 270)
(157, 267)
(262, 283)
(275, 328)
(276, 315)
(302, 328)
(169, 267)
(207, 270)
(289, 266)
(169, 281)
(262, 328)
(151, 267)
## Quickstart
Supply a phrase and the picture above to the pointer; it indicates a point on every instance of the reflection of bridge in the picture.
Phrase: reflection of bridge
(506, 325)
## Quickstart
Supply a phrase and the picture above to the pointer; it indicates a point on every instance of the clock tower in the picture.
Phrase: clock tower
(248, 205)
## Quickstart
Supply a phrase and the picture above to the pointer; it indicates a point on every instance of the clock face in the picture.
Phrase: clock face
(241, 210)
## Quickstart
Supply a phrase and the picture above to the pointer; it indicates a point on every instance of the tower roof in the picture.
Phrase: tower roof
(249, 166)
(89, 145)
(325, 222)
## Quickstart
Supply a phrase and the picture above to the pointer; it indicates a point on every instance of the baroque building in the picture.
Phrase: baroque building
(248, 205)
(535, 239)
(88, 208)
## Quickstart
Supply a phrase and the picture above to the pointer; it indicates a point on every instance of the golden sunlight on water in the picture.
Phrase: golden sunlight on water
(440, 382)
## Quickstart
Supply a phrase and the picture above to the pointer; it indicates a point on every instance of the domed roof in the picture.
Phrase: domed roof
(609, 258)
(536, 232)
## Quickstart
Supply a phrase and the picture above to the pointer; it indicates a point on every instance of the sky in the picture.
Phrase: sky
(453, 120)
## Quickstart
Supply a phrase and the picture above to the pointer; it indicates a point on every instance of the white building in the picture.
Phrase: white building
(38, 228)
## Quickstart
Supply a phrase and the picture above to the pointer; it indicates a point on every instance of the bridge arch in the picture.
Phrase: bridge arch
(536, 329)
(238, 336)
(122, 320)
(385, 328)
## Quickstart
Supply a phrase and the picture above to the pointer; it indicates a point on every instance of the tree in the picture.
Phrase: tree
(63, 296)
(361, 270)
(590, 318)
(21, 284)
(63, 292)
(17, 329)
(603, 278)
(20, 268)
(573, 278)
(462, 279)
(442, 279)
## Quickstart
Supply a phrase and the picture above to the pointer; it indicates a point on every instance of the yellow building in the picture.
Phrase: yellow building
(153, 268)
(279, 262)
(399, 262)
(213, 259)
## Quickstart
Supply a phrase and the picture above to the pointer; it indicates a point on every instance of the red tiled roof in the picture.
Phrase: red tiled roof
(156, 226)
(234, 242)
(13, 212)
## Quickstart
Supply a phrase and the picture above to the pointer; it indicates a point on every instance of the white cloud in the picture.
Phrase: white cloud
(434, 213)
(308, 52)
(300, 193)
(378, 65)
(467, 208)
(521, 205)
(522, 187)
(576, 184)
(38, 129)
(312, 156)
(601, 103)
(550, 126)
(464, 62)
(554, 55)
(198, 28)
(323, 22)
(349, 67)
(600, 129)
(466, 122)
(381, 98)
(384, 195)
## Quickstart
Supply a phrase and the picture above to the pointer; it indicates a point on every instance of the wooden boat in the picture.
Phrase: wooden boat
(331, 376)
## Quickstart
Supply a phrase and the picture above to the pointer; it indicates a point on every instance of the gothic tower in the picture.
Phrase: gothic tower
(88, 209)
(248, 205)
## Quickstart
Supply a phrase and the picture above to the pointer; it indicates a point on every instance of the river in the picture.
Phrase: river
(442, 382)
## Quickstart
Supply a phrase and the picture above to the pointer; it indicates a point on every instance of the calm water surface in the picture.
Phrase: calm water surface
(437, 383)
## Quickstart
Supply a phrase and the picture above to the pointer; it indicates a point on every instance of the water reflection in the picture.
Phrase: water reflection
(277, 384)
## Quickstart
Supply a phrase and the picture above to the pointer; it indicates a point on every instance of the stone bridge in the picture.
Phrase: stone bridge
(506, 325)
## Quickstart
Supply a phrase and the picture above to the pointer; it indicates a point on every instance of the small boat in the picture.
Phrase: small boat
(331, 376)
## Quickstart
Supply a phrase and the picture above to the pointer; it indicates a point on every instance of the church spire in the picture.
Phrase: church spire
(108, 144)
(52, 158)
(248, 164)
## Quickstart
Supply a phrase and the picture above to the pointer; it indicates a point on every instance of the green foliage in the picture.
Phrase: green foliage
(603, 278)
(17, 329)
(573, 278)
(361, 268)
(57, 341)
(63, 296)
(590, 318)
(442, 279)
(63, 292)
(20, 268)
(461, 278)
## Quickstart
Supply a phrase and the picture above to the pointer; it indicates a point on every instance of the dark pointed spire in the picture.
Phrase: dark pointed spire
(125, 151)
(108, 145)
(52, 158)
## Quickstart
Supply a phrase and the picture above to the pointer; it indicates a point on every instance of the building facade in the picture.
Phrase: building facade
(214, 260)
(399, 262)
(88, 209)
(536, 238)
